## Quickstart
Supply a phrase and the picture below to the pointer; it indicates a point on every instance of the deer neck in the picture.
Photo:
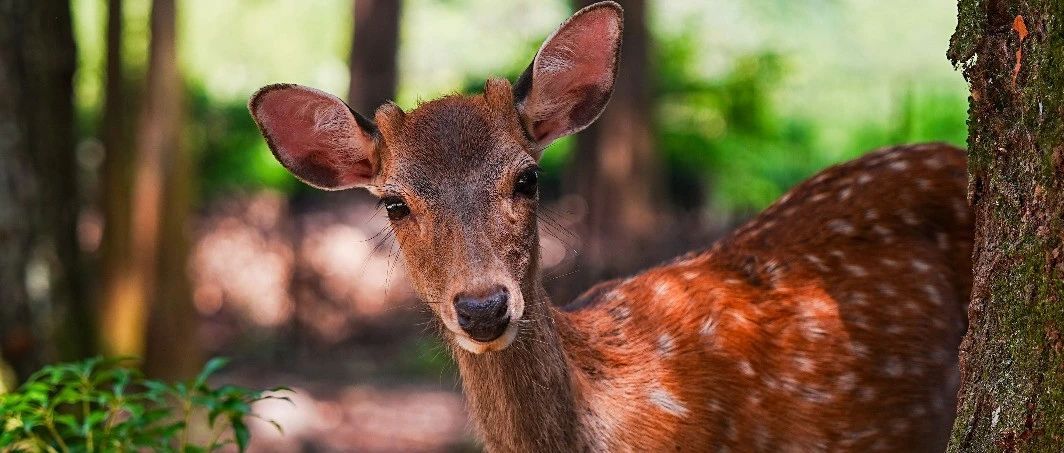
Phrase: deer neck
(523, 398)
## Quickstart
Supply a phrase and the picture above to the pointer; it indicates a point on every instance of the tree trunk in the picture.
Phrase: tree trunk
(614, 167)
(374, 49)
(116, 179)
(154, 296)
(40, 261)
(1012, 360)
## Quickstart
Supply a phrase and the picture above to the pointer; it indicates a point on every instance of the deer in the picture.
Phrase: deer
(830, 321)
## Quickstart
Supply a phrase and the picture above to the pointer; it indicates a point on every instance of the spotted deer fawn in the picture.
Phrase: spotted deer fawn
(829, 322)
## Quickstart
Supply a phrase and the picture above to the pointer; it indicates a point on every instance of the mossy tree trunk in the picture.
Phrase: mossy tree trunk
(1012, 360)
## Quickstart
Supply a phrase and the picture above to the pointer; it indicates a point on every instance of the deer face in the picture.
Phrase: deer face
(457, 176)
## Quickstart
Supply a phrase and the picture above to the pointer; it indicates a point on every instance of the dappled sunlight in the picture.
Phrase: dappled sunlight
(243, 261)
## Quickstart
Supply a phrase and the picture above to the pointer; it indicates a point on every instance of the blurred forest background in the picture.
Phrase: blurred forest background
(142, 214)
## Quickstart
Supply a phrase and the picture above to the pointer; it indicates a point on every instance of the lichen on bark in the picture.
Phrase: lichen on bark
(1012, 360)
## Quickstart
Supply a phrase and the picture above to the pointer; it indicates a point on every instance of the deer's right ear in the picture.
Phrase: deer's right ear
(570, 81)
(316, 136)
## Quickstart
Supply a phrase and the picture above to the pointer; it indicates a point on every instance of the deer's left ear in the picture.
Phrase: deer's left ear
(571, 78)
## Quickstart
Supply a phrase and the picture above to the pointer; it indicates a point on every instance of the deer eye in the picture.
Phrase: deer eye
(527, 183)
(396, 207)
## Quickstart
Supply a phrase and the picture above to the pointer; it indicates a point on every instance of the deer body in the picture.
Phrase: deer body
(830, 322)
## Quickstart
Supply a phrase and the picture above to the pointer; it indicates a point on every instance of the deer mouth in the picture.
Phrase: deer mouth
(475, 346)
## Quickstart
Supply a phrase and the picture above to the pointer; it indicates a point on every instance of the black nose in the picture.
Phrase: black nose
(484, 318)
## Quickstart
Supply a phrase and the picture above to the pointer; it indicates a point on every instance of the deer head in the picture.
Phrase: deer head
(457, 175)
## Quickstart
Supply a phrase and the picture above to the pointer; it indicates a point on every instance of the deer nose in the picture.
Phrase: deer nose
(484, 318)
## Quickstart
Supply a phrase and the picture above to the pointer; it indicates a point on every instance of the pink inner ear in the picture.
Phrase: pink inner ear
(315, 136)
(573, 74)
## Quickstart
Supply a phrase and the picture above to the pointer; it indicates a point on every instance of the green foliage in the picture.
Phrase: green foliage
(102, 405)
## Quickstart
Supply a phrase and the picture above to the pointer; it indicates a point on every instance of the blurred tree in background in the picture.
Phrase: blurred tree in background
(44, 312)
(374, 51)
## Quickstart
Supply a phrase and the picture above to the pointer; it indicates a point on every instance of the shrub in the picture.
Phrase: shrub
(103, 405)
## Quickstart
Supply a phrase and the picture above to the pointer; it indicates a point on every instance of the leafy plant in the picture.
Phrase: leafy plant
(103, 405)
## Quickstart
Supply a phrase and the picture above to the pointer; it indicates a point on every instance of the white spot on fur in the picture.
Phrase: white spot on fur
(933, 163)
(667, 401)
(746, 368)
(923, 184)
(690, 275)
(883, 232)
(663, 289)
(856, 271)
(899, 165)
(709, 327)
(665, 344)
(859, 299)
(847, 382)
(818, 197)
(844, 194)
(804, 364)
(893, 367)
(871, 214)
(819, 263)
(920, 265)
(890, 262)
(887, 290)
(859, 350)
(841, 226)
(864, 178)
(620, 312)
(933, 294)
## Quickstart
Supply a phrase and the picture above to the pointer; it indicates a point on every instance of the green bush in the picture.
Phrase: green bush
(103, 405)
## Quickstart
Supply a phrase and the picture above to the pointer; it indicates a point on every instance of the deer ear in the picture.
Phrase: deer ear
(569, 82)
(316, 136)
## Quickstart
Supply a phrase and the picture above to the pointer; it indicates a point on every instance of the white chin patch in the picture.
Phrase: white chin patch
(479, 347)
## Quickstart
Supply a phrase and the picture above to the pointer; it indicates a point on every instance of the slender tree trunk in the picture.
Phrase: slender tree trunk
(1012, 360)
(614, 167)
(158, 219)
(40, 261)
(374, 50)
(115, 251)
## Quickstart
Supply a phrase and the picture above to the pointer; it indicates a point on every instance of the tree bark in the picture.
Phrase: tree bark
(40, 260)
(374, 51)
(1012, 359)
(614, 167)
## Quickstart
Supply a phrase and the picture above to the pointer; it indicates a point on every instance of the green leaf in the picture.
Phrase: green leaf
(212, 366)
(240, 431)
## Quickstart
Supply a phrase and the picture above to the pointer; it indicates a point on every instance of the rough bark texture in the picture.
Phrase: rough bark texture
(39, 254)
(374, 49)
(1012, 360)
